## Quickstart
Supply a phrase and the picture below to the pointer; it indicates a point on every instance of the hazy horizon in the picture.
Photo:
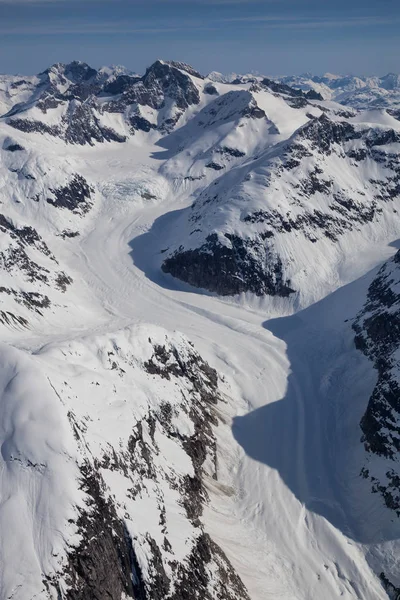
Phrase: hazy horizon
(269, 36)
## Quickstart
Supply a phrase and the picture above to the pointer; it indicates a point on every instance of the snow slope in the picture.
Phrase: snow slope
(130, 467)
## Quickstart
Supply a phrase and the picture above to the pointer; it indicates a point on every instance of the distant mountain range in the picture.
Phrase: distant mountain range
(351, 90)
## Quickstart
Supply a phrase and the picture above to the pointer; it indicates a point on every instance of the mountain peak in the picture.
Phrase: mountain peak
(160, 67)
(182, 66)
(76, 71)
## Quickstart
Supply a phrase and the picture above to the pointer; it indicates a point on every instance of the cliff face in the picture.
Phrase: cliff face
(139, 418)
(377, 330)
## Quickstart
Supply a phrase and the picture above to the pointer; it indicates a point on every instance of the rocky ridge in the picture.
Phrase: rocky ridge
(377, 329)
(138, 485)
(312, 189)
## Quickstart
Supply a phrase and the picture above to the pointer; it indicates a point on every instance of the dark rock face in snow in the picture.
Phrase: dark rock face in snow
(119, 85)
(78, 89)
(139, 123)
(16, 260)
(83, 127)
(79, 126)
(231, 268)
(392, 591)
(161, 81)
(74, 196)
(30, 126)
(324, 132)
(395, 112)
(249, 261)
(185, 67)
(210, 89)
(108, 562)
(103, 565)
(11, 146)
(282, 88)
(377, 330)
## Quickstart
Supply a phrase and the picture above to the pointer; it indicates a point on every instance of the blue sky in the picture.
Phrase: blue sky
(269, 36)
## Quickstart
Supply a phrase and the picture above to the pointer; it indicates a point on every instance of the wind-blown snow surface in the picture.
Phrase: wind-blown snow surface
(130, 467)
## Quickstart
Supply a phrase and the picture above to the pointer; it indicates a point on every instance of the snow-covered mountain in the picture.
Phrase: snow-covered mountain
(358, 92)
(113, 456)
(198, 384)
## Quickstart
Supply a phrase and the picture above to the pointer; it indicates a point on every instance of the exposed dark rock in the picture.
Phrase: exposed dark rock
(14, 148)
(158, 585)
(377, 329)
(32, 300)
(78, 78)
(30, 126)
(254, 112)
(244, 79)
(323, 132)
(78, 71)
(315, 223)
(377, 137)
(297, 101)
(210, 89)
(234, 152)
(101, 566)
(313, 95)
(66, 233)
(120, 85)
(139, 123)
(62, 281)
(195, 579)
(47, 102)
(313, 183)
(82, 127)
(224, 262)
(214, 165)
(358, 154)
(105, 564)
(394, 112)
(11, 320)
(185, 67)
(239, 266)
(78, 126)
(392, 591)
(161, 80)
(74, 196)
(282, 88)
(15, 256)
(172, 82)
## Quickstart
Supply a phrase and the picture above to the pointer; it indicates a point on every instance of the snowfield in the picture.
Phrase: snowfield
(164, 438)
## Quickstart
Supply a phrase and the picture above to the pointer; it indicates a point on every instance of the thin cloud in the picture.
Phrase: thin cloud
(145, 2)
(292, 22)
(326, 23)
(263, 22)
(101, 28)
(44, 2)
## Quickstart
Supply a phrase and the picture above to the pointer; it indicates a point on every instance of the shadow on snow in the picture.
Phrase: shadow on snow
(312, 436)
